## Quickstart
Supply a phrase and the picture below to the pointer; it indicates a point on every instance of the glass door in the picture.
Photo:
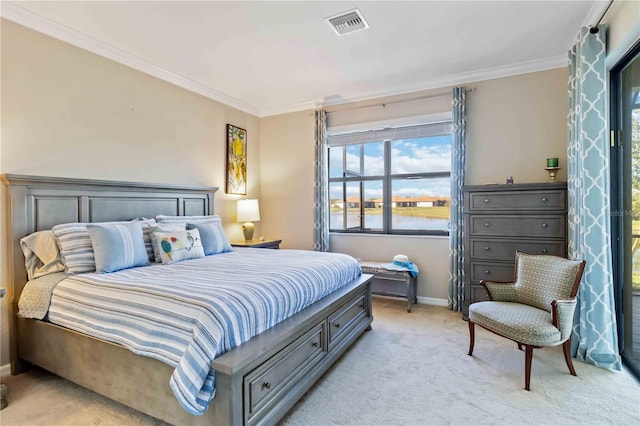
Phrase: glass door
(626, 174)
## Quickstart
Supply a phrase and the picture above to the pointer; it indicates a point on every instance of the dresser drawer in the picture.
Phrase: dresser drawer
(491, 271)
(517, 200)
(272, 379)
(517, 226)
(486, 249)
(340, 321)
(479, 293)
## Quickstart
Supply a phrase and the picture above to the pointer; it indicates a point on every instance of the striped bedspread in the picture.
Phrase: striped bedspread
(185, 314)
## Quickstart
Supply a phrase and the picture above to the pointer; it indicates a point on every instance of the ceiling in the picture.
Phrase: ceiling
(270, 57)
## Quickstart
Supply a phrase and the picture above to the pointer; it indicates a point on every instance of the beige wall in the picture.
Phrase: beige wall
(514, 124)
(67, 112)
(286, 178)
(623, 22)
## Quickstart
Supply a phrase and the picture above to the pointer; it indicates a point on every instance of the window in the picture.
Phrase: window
(391, 181)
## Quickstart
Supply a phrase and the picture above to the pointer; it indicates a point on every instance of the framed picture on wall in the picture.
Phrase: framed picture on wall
(236, 160)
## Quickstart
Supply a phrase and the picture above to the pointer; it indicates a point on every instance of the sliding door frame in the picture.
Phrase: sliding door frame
(621, 206)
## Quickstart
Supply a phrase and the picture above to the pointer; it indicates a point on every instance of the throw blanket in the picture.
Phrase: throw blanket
(187, 313)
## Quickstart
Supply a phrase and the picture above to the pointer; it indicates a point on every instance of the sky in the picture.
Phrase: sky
(419, 155)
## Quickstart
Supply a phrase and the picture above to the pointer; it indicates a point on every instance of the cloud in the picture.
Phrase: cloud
(420, 155)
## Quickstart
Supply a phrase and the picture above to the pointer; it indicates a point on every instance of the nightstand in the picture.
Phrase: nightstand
(268, 244)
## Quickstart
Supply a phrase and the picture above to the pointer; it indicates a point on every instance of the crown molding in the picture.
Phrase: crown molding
(597, 10)
(437, 83)
(43, 25)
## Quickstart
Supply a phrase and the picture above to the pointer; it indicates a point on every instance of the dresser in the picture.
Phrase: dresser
(502, 219)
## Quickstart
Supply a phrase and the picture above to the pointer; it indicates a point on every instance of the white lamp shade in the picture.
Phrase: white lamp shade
(248, 211)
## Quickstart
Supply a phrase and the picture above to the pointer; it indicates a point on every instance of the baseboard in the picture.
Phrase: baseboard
(421, 300)
(5, 370)
(433, 301)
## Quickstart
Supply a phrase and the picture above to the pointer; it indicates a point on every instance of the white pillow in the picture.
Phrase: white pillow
(41, 254)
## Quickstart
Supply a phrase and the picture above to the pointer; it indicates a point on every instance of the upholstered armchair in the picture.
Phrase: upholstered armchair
(535, 310)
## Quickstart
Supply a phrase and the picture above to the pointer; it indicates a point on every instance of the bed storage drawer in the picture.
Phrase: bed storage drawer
(341, 320)
(274, 377)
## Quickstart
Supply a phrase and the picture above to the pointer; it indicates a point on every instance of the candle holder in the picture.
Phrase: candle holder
(553, 172)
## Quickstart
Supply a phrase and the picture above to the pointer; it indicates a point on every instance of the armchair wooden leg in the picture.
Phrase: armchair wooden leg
(528, 357)
(472, 337)
(520, 346)
(566, 348)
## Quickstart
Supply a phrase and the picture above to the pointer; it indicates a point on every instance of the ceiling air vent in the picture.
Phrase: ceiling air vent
(347, 22)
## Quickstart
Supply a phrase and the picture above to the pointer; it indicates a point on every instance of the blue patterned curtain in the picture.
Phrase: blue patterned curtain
(320, 188)
(594, 332)
(456, 237)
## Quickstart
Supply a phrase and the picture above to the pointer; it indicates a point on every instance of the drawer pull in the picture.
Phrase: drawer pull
(544, 225)
(315, 344)
(487, 224)
(545, 199)
(266, 385)
(487, 272)
(487, 249)
(545, 251)
(486, 200)
(336, 325)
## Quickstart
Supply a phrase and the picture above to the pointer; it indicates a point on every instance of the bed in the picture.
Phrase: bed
(257, 382)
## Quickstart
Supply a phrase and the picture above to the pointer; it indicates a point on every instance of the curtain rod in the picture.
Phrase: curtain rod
(384, 104)
(594, 29)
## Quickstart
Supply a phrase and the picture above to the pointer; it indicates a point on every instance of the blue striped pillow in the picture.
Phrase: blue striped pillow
(118, 246)
(214, 240)
(76, 248)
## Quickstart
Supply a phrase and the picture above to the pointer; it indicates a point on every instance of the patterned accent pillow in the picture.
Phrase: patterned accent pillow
(214, 240)
(179, 245)
(118, 246)
(163, 227)
(76, 248)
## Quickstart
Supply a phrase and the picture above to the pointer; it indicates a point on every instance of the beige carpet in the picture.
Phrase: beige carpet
(412, 369)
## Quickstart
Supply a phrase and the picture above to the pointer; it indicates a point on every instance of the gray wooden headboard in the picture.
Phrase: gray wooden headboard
(36, 203)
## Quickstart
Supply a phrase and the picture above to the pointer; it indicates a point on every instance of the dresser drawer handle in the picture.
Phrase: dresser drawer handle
(545, 199)
(315, 344)
(487, 272)
(544, 225)
(545, 251)
(336, 325)
(487, 249)
(266, 385)
(487, 224)
(486, 200)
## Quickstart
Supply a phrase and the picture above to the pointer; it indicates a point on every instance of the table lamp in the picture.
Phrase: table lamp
(248, 212)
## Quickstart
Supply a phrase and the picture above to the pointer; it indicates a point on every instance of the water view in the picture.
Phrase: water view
(398, 222)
